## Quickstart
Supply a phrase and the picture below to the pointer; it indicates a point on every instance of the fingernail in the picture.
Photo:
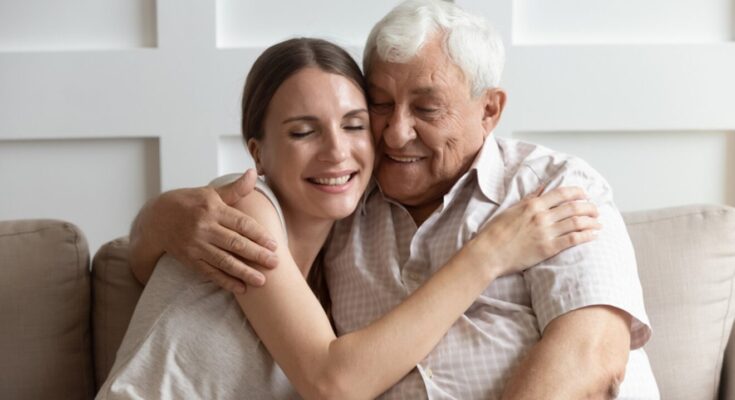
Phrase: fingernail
(271, 244)
(272, 261)
(258, 280)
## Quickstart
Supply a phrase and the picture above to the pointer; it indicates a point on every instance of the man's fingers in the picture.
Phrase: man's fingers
(243, 247)
(233, 266)
(578, 208)
(244, 225)
(232, 192)
(222, 279)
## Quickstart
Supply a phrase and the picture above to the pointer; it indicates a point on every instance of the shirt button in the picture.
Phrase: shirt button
(414, 276)
(429, 373)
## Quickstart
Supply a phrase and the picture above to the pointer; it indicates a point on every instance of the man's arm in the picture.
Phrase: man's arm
(199, 228)
(581, 355)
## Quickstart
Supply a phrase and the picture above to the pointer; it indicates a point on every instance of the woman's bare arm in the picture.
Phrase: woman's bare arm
(295, 329)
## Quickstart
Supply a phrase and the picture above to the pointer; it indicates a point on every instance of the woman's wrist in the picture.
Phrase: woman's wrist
(483, 256)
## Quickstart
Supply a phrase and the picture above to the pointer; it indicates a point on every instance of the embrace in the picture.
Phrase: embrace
(391, 246)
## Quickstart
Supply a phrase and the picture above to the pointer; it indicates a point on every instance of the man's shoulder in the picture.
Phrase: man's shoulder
(525, 160)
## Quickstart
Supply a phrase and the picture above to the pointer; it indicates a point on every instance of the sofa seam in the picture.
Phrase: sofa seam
(723, 341)
(668, 218)
(45, 228)
(80, 295)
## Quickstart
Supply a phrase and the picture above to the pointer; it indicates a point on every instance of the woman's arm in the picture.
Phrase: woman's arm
(296, 331)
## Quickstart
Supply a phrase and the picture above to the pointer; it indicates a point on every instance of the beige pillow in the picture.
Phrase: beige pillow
(116, 293)
(45, 350)
(686, 262)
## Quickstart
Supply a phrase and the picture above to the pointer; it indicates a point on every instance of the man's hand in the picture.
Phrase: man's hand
(201, 229)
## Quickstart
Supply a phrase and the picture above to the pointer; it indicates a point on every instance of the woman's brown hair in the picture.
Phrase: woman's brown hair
(278, 63)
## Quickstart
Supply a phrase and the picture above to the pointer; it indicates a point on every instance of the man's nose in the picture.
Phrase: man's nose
(334, 147)
(399, 130)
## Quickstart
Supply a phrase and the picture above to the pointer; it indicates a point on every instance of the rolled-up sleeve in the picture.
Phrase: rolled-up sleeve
(601, 272)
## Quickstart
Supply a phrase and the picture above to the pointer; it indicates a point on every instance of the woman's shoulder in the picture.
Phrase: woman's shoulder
(261, 186)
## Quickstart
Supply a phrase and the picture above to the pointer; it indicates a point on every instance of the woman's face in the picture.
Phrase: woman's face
(317, 152)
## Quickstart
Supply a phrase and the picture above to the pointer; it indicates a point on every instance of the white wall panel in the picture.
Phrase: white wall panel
(98, 184)
(232, 155)
(174, 70)
(262, 23)
(36, 25)
(623, 21)
(654, 169)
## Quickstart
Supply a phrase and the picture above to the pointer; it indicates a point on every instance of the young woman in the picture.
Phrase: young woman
(306, 124)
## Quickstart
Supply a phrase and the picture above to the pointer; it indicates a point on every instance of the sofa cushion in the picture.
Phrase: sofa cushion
(45, 347)
(686, 262)
(115, 295)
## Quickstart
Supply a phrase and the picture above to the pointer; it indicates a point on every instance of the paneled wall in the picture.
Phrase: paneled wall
(105, 104)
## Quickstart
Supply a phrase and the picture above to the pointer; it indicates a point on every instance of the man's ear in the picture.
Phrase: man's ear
(254, 148)
(493, 105)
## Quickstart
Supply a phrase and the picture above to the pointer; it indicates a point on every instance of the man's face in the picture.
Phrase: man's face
(427, 126)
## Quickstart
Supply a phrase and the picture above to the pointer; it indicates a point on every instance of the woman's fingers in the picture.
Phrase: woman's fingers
(576, 208)
(574, 224)
(572, 239)
(560, 195)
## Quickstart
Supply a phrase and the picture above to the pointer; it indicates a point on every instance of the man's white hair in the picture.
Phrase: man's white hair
(469, 40)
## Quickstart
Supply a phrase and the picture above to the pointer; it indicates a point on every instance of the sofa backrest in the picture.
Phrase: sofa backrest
(45, 335)
(686, 262)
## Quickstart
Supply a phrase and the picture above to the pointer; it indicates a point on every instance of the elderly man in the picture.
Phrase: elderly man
(571, 327)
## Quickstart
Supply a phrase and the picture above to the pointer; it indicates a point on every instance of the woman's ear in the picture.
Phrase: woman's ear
(494, 103)
(254, 148)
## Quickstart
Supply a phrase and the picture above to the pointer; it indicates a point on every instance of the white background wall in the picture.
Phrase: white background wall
(105, 104)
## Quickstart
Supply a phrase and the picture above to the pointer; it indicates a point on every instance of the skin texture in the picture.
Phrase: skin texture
(422, 110)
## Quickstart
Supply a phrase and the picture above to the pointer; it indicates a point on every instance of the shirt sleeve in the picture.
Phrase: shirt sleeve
(601, 272)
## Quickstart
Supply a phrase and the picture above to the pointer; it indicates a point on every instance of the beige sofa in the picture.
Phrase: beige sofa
(61, 323)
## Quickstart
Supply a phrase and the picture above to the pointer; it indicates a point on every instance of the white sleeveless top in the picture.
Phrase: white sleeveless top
(189, 339)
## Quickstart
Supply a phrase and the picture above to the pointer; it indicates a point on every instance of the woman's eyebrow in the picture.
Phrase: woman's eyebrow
(355, 112)
(309, 118)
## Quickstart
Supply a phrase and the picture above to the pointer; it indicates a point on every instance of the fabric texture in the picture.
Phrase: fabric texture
(45, 345)
(479, 352)
(114, 296)
(188, 339)
(687, 266)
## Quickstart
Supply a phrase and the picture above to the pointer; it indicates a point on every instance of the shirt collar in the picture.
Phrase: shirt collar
(490, 169)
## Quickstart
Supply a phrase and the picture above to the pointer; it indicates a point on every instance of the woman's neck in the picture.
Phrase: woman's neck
(306, 236)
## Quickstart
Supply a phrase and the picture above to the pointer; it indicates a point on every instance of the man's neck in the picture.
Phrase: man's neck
(423, 212)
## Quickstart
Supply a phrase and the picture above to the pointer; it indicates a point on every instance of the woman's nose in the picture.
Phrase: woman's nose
(335, 147)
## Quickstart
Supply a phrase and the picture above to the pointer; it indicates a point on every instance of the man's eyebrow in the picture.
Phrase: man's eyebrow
(426, 90)
(309, 118)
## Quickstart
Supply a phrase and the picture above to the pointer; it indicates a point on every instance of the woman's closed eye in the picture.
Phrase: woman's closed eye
(298, 134)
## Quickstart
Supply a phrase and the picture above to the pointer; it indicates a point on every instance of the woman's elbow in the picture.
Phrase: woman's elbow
(332, 385)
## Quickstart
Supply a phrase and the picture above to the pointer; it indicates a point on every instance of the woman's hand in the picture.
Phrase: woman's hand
(536, 228)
